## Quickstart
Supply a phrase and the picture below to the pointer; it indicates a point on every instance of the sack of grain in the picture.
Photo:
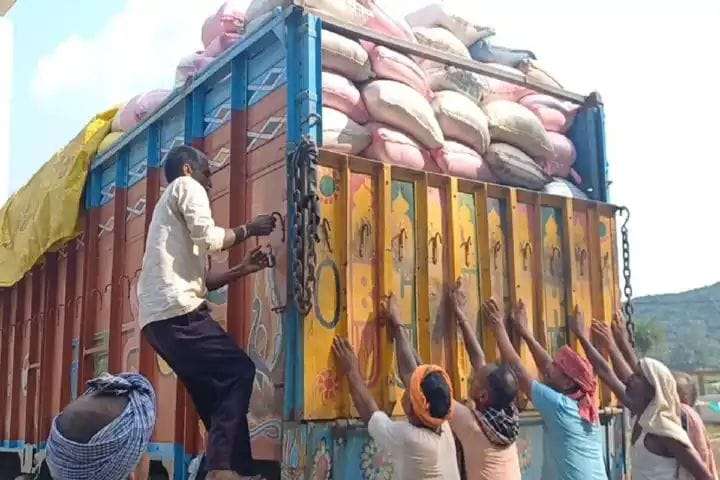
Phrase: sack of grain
(555, 115)
(137, 109)
(349, 11)
(346, 57)
(564, 188)
(341, 134)
(462, 120)
(190, 67)
(391, 65)
(395, 148)
(533, 70)
(110, 139)
(483, 51)
(383, 23)
(222, 43)
(441, 77)
(502, 90)
(230, 18)
(462, 161)
(442, 40)
(563, 157)
(514, 124)
(513, 167)
(403, 108)
(440, 15)
(341, 94)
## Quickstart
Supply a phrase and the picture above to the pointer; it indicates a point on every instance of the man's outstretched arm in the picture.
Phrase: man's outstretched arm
(603, 338)
(348, 368)
(406, 358)
(577, 326)
(619, 329)
(496, 320)
(472, 345)
(255, 261)
(519, 321)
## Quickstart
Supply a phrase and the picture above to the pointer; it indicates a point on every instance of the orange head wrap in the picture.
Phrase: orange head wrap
(582, 373)
(419, 402)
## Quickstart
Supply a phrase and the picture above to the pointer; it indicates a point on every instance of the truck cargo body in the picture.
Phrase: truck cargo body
(383, 229)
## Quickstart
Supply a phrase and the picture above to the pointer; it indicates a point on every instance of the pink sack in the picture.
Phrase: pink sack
(395, 148)
(391, 65)
(564, 156)
(383, 23)
(222, 43)
(230, 18)
(459, 160)
(341, 94)
(502, 90)
(137, 109)
(190, 67)
(555, 115)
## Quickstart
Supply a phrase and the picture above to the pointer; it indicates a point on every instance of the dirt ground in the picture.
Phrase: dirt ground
(713, 431)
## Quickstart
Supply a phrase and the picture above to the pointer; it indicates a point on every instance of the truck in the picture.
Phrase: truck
(351, 230)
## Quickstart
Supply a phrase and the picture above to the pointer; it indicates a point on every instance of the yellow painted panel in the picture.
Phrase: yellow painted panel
(465, 248)
(553, 279)
(524, 248)
(498, 252)
(364, 332)
(323, 396)
(581, 270)
(403, 281)
(608, 281)
(438, 325)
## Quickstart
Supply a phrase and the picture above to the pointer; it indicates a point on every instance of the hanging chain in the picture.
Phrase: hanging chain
(628, 290)
(304, 160)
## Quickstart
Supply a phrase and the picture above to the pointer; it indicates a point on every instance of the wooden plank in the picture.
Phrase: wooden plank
(422, 269)
(460, 373)
(437, 266)
(522, 274)
(322, 395)
(486, 265)
(385, 275)
(569, 266)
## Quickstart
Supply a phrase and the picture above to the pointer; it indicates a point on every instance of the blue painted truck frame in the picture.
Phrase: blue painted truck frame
(343, 446)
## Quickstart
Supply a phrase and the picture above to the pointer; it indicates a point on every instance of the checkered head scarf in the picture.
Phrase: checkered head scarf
(114, 451)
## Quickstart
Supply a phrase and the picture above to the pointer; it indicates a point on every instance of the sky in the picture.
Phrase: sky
(654, 63)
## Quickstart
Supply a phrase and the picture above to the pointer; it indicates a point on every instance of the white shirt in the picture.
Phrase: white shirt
(181, 234)
(416, 453)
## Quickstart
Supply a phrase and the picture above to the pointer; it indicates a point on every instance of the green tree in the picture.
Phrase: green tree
(649, 336)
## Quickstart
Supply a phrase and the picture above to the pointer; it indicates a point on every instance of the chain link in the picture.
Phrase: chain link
(304, 165)
(627, 289)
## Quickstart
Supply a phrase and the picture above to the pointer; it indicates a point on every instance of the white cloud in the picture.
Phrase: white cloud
(137, 50)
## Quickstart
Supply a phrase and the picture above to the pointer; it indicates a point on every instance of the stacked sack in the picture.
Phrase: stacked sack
(220, 32)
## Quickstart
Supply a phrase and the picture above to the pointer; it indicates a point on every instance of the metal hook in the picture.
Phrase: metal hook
(496, 250)
(527, 250)
(555, 250)
(466, 245)
(581, 256)
(365, 232)
(434, 240)
(326, 230)
(272, 261)
(281, 219)
(312, 120)
(402, 236)
(606, 262)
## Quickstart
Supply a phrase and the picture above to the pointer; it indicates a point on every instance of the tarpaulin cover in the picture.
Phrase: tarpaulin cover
(45, 212)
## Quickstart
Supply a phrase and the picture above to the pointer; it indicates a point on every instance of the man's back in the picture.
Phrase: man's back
(180, 236)
(417, 453)
(573, 447)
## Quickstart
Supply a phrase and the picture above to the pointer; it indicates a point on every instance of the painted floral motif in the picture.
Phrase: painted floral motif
(524, 453)
(328, 385)
(322, 463)
(374, 464)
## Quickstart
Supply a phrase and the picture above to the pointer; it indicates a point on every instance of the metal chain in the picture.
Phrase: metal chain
(304, 166)
(627, 289)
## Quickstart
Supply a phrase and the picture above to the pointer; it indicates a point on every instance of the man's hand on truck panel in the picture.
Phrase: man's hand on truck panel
(348, 367)
(261, 226)
(256, 260)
